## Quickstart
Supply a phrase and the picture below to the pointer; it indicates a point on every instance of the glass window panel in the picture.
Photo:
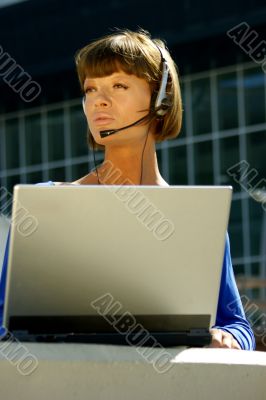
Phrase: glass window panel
(12, 144)
(2, 180)
(229, 156)
(79, 170)
(183, 127)
(239, 269)
(182, 132)
(78, 132)
(235, 229)
(178, 165)
(254, 96)
(34, 177)
(227, 101)
(56, 140)
(33, 140)
(203, 163)
(255, 293)
(57, 174)
(256, 214)
(11, 181)
(255, 269)
(201, 106)
(256, 152)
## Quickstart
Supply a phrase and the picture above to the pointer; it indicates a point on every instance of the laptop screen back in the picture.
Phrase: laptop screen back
(154, 250)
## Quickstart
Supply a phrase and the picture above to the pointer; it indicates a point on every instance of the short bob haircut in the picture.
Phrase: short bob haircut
(134, 53)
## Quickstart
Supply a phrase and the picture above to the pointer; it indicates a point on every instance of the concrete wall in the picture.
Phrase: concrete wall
(101, 372)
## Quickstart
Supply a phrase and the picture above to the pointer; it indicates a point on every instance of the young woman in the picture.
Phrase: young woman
(131, 101)
(120, 76)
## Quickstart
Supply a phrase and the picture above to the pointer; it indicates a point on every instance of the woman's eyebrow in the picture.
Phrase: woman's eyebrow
(88, 80)
(115, 75)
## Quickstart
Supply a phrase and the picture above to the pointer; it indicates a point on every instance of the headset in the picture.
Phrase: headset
(160, 105)
(162, 102)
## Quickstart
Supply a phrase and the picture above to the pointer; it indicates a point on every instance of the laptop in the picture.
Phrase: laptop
(116, 264)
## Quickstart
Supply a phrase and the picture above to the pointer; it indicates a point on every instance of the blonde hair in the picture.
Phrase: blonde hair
(134, 53)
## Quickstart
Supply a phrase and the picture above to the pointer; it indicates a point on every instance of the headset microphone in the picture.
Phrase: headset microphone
(109, 132)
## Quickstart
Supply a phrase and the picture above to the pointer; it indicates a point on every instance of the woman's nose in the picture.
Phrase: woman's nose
(102, 100)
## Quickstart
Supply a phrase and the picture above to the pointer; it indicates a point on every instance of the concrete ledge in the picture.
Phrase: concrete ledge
(80, 371)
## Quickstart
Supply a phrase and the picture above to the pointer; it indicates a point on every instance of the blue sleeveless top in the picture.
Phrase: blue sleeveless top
(230, 313)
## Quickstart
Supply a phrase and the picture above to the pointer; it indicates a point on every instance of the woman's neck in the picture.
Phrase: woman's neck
(132, 164)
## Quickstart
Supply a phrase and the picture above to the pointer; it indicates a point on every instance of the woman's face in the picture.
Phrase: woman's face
(115, 101)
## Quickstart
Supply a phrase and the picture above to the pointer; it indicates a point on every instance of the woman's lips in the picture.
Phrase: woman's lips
(103, 121)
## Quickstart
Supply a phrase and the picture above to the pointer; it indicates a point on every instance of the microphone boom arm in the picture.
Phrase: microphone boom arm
(109, 132)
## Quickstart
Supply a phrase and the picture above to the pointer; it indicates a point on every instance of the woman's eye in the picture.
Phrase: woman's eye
(120, 86)
(88, 89)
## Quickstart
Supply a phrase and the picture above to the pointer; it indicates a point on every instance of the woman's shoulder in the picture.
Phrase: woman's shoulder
(52, 183)
(48, 183)
(89, 179)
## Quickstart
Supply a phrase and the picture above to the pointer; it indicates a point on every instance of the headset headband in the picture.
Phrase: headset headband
(161, 103)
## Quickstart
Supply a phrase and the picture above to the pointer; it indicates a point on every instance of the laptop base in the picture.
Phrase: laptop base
(194, 338)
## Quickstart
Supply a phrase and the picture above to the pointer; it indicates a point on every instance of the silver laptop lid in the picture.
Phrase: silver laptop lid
(155, 250)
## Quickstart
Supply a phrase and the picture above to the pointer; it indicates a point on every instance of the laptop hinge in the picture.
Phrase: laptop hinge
(21, 334)
(198, 332)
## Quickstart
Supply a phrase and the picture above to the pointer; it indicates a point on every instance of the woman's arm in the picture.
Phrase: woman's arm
(231, 322)
(3, 283)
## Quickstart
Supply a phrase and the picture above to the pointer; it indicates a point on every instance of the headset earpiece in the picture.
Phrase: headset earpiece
(164, 107)
(83, 104)
(162, 102)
